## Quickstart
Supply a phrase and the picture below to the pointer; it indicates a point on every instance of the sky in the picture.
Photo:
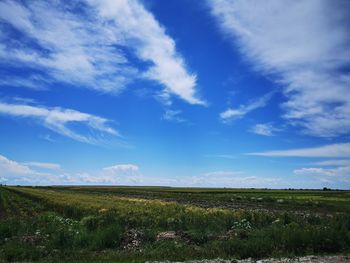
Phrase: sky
(212, 93)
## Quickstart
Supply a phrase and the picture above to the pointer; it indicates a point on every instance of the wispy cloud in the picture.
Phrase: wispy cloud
(152, 44)
(332, 150)
(32, 81)
(62, 46)
(16, 173)
(224, 173)
(10, 166)
(47, 137)
(232, 179)
(51, 166)
(86, 44)
(265, 129)
(124, 168)
(224, 156)
(342, 162)
(57, 119)
(231, 113)
(305, 46)
(335, 172)
(118, 174)
(210, 179)
(173, 115)
(129, 174)
(12, 172)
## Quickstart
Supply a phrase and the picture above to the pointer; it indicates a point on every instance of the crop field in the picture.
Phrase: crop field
(138, 224)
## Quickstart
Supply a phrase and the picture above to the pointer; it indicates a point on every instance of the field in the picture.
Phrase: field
(138, 224)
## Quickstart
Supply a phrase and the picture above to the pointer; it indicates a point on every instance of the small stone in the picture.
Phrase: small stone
(166, 235)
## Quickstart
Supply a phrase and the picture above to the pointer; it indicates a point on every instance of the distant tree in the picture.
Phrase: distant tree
(326, 189)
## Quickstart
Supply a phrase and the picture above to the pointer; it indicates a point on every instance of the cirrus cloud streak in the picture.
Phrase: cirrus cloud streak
(331, 150)
(305, 47)
(91, 44)
(57, 119)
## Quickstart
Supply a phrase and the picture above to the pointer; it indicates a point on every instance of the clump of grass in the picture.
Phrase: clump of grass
(107, 237)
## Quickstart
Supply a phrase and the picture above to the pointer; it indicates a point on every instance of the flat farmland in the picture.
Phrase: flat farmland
(138, 224)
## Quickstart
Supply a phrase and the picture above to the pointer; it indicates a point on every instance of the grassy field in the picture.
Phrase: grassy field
(136, 224)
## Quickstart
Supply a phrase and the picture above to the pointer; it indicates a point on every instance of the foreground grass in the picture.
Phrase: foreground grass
(78, 226)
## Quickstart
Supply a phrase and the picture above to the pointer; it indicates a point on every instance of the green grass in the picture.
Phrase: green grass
(121, 224)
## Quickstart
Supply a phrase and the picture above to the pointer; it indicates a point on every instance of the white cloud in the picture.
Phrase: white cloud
(130, 175)
(125, 168)
(47, 137)
(51, 166)
(265, 129)
(136, 178)
(12, 167)
(151, 44)
(231, 114)
(313, 171)
(12, 172)
(343, 162)
(173, 115)
(223, 173)
(34, 82)
(224, 156)
(119, 174)
(305, 46)
(15, 173)
(71, 49)
(57, 119)
(86, 47)
(331, 150)
(231, 179)
(339, 171)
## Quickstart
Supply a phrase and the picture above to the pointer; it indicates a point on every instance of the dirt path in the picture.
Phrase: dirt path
(307, 259)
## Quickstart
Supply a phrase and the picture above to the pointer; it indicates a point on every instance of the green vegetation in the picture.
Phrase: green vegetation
(125, 224)
(315, 200)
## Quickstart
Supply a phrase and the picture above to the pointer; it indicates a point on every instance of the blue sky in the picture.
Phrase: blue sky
(179, 92)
